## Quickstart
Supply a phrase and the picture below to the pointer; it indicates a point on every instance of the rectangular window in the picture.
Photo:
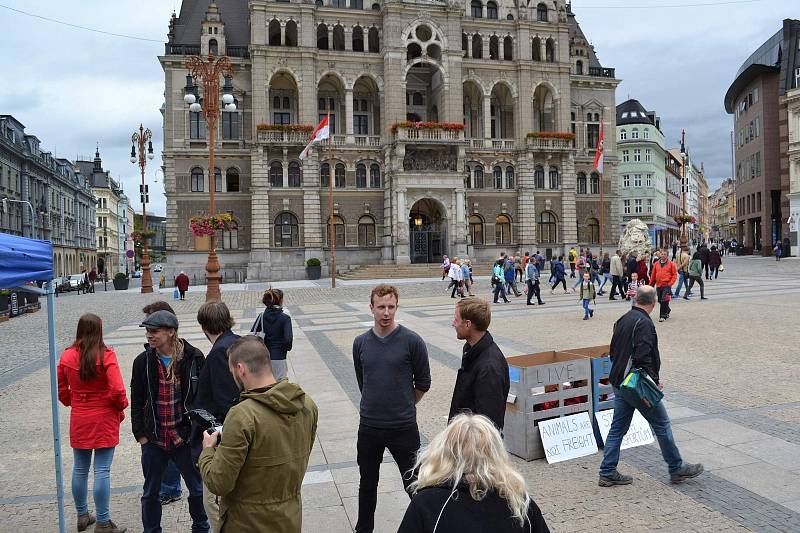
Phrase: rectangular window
(280, 117)
(635, 133)
(637, 206)
(626, 180)
(230, 125)
(648, 155)
(592, 135)
(758, 126)
(361, 124)
(649, 182)
(649, 206)
(197, 126)
(646, 133)
(797, 78)
(637, 155)
(331, 122)
(626, 157)
(637, 180)
(627, 206)
(623, 135)
(755, 95)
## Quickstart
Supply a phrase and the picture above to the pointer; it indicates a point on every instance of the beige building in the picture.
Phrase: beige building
(722, 208)
(792, 100)
(511, 99)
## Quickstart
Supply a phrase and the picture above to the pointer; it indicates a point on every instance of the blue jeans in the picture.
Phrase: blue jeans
(154, 463)
(170, 482)
(585, 307)
(683, 281)
(606, 279)
(500, 289)
(659, 421)
(102, 481)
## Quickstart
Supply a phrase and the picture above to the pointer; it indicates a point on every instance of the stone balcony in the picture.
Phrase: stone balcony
(280, 137)
(492, 145)
(300, 138)
(429, 136)
(548, 144)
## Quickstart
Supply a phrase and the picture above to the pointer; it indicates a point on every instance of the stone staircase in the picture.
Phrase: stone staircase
(424, 270)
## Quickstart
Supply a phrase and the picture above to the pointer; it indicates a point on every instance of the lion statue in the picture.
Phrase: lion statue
(636, 238)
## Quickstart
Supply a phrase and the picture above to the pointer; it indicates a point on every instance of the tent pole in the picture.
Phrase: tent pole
(51, 338)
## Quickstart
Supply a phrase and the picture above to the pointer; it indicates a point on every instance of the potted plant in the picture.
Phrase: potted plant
(313, 268)
(121, 282)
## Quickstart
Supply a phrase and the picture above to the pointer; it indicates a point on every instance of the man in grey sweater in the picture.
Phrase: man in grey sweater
(391, 364)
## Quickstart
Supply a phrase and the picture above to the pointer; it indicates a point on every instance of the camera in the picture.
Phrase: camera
(205, 421)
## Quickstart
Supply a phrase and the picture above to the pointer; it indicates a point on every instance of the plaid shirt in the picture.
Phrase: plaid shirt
(168, 410)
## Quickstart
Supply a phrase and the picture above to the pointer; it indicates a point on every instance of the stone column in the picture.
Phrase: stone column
(348, 39)
(400, 222)
(283, 33)
(487, 117)
(569, 216)
(348, 115)
(312, 213)
(526, 205)
(258, 268)
(469, 45)
(543, 48)
(459, 223)
(330, 37)
(260, 90)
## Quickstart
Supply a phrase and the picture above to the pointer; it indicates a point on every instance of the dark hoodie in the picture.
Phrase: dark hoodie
(277, 328)
(268, 435)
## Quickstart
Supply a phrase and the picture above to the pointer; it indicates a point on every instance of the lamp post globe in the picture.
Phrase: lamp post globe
(189, 99)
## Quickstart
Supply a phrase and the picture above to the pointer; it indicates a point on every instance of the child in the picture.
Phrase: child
(633, 288)
(587, 294)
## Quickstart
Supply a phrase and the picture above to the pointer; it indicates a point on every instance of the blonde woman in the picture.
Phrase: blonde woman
(466, 484)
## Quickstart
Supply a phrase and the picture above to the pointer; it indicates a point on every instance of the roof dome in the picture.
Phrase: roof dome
(632, 112)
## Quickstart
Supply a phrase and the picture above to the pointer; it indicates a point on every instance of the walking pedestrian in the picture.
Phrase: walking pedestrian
(393, 374)
(468, 484)
(257, 467)
(641, 268)
(274, 327)
(664, 276)
(777, 250)
(163, 388)
(182, 283)
(674, 249)
(633, 289)
(457, 277)
(466, 288)
(573, 258)
(587, 295)
(631, 266)
(92, 279)
(704, 254)
(715, 262)
(634, 344)
(471, 279)
(482, 382)
(453, 282)
(696, 275)
(532, 276)
(170, 490)
(559, 276)
(90, 382)
(617, 271)
(217, 390)
(498, 281)
(682, 266)
(445, 266)
(525, 260)
(511, 283)
(605, 272)
(518, 267)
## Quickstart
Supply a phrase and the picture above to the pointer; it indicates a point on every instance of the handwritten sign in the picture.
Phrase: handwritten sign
(568, 437)
(639, 432)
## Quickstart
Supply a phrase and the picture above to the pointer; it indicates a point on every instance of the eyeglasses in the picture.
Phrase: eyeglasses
(151, 330)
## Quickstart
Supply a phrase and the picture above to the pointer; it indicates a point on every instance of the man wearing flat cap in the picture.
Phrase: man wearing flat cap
(163, 388)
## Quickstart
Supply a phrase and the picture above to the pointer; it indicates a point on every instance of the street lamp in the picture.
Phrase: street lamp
(139, 138)
(208, 71)
(684, 160)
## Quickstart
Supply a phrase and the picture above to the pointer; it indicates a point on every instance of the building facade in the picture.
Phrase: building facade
(62, 201)
(722, 209)
(465, 129)
(158, 242)
(673, 177)
(793, 160)
(756, 99)
(642, 170)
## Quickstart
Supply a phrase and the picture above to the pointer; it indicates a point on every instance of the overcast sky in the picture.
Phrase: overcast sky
(74, 88)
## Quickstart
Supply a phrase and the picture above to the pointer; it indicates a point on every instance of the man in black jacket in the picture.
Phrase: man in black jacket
(482, 383)
(163, 387)
(635, 345)
(217, 391)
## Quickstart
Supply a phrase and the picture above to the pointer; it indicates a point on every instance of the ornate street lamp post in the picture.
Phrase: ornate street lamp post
(139, 138)
(209, 71)
(684, 185)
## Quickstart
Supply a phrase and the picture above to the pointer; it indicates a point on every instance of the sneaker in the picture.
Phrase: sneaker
(109, 527)
(703, 298)
(685, 297)
(541, 303)
(687, 471)
(611, 298)
(84, 521)
(615, 479)
(586, 318)
(661, 319)
(591, 312)
(166, 500)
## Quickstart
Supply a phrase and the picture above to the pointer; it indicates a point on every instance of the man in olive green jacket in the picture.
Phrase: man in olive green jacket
(258, 467)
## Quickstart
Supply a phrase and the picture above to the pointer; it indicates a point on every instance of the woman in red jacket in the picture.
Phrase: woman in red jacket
(90, 382)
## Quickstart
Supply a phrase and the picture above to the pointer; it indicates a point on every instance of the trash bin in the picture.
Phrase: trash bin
(543, 386)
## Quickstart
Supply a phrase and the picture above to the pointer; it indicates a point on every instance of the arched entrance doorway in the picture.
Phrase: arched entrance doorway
(428, 229)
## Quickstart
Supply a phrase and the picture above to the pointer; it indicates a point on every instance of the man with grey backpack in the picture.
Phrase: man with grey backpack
(634, 345)
(274, 327)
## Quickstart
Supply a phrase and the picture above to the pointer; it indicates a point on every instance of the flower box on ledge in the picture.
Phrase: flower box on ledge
(284, 133)
(431, 132)
(550, 140)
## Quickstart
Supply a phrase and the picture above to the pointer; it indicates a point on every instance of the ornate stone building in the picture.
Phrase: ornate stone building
(464, 129)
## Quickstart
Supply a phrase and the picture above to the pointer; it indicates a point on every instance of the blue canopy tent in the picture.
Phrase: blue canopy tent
(21, 261)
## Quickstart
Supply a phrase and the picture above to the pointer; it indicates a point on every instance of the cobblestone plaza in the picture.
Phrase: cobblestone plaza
(729, 364)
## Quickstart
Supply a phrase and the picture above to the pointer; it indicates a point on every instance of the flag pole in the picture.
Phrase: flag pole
(331, 174)
(602, 169)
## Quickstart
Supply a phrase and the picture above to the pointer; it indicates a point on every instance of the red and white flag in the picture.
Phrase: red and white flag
(598, 155)
(320, 133)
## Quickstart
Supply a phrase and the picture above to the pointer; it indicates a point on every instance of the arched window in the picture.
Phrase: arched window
(623, 135)
(338, 37)
(287, 231)
(595, 183)
(274, 31)
(547, 227)
(217, 180)
(553, 177)
(322, 37)
(491, 10)
(338, 231)
(509, 177)
(494, 48)
(538, 177)
(477, 46)
(413, 50)
(294, 174)
(374, 176)
(502, 229)
(361, 176)
(324, 174)
(339, 176)
(541, 12)
(197, 180)
(213, 47)
(536, 49)
(291, 33)
(579, 67)
(230, 237)
(508, 48)
(276, 174)
(593, 231)
(550, 50)
(478, 181)
(232, 180)
(509, 17)
(366, 231)
(476, 229)
(476, 9)
(497, 175)
(373, 40)
(358, 39)
(581, 183)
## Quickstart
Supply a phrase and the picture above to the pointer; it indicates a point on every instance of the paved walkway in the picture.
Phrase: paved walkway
(729, 364)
